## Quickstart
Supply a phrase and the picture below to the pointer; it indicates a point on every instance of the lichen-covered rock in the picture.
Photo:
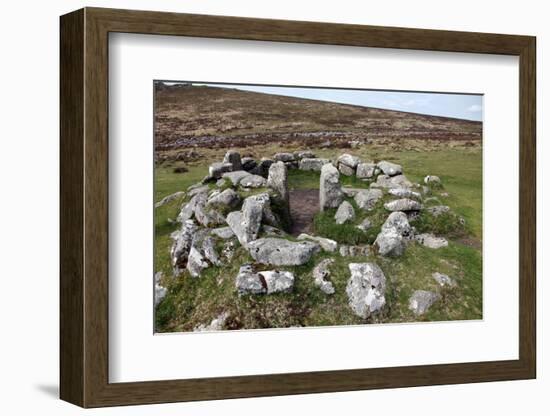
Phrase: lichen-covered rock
(403, 204)
(349, 160)
(347, 164)
(304, 154)
(246, 223)
(224, 201)
(312, 164)
(205, 215)
(326, 243)
(330, 190)
(203, 253)
(236, 176)
(278, 281)
(443, 279)
(390, 169)
(249, 282)
(354, 251)
(365, 170)
(388, 182)
(217, 169)
(390, 243)
(400, 222)
(344, 213)
(284, 157)
(367, 199)
(431, 241)
(281, 252)
(179, 252)
(366, 289)
(264, 282)
(321, 273)
(253, 181)
(432, 180)
(404, 193)
(421, 301)
(234, 158)
(225, 233)
(278, 180)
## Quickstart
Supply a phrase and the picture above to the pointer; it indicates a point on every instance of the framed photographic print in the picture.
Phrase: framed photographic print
(257, 207)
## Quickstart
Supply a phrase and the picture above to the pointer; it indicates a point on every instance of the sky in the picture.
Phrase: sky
(464, 106)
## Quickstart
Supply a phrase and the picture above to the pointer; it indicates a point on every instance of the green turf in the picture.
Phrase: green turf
(193, 301)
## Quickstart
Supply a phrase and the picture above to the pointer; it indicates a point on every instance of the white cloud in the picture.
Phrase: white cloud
(475, 108)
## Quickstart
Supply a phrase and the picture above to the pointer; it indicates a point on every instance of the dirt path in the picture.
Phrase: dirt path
(304, 204)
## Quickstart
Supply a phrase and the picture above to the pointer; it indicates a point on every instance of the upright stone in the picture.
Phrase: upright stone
(330, 190)
(234, 158)
(278, 181)
(366, 289)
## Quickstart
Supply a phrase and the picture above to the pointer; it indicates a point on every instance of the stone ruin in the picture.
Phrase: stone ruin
(220, 215)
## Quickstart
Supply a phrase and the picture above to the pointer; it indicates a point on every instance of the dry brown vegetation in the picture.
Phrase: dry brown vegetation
(211, 117)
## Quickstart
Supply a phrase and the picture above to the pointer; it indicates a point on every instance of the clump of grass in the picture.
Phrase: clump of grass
(447, 223)
(324, 225)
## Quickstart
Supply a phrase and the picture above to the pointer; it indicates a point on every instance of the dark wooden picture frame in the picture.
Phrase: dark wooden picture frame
(84, 207)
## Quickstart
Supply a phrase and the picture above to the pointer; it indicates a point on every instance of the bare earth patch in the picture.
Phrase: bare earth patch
(304, 204)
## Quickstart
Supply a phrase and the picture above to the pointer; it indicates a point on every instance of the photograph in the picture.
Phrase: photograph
(295, 206)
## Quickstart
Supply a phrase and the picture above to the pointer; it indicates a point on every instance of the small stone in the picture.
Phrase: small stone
(390, 169)
(346, 170)
(304, 154)
(281, 252)
(400, 222)
(431, 241)
(278, 281)
(421, 301)
(354, 251)
(224, 201)
(432, 179)
(366, 289)
(326, 243)
(249, 282)
(443, 279)
(403, 204)
(284, 157)
(235, 177)
(321, 273)
(366, 170)
(367, 199)
(253, 181)
(404, 193)
(197, 189)
(349, 160)
(344, 213)
(312, 164)
(181, 246)
(390, 243)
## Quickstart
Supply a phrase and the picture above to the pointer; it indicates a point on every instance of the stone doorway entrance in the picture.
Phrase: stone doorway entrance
(304, 204)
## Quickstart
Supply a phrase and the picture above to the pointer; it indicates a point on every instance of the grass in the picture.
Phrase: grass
(193, 301)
